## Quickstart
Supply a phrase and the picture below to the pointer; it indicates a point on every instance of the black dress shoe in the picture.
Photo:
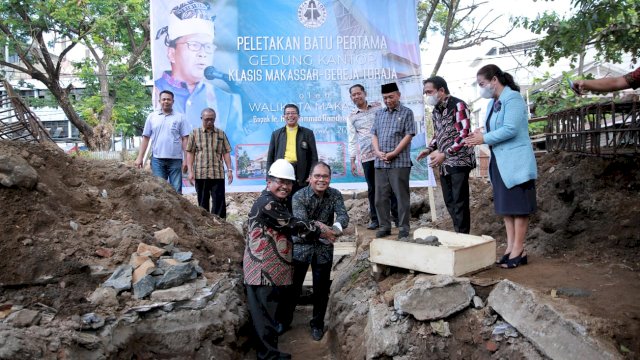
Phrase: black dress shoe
(383, 233)
(403, 234)
(317, 333)
(373, 225)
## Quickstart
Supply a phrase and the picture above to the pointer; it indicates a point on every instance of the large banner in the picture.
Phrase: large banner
(247, 59)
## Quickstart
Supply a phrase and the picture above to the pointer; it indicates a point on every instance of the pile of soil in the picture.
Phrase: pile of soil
(50, 234)
(587, 208)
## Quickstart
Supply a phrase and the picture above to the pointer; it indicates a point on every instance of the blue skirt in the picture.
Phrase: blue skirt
(519, 200)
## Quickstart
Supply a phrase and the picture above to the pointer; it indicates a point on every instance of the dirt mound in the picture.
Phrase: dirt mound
(50, 234)
(586, 207)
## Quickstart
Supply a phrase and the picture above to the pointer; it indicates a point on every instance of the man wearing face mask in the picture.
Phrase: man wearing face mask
(451, 126)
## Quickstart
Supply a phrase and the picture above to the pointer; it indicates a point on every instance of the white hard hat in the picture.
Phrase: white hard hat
(282, 169)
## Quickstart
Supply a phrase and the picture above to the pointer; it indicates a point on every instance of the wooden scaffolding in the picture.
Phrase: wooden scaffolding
(17, 121)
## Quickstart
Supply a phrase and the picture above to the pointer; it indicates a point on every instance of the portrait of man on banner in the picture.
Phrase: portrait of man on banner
(186, 38)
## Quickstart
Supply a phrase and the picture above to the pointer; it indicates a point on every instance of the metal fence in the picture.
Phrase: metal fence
(603, 129)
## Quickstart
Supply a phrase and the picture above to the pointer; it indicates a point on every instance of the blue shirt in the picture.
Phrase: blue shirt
(166, 132)
(391, 126)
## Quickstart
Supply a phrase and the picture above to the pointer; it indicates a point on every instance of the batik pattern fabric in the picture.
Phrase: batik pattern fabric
(327, 209)
(268, 252)
(452, 125)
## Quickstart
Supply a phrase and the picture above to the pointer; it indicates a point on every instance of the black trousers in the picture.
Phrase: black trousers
(212, 189)
(321, 286)
(455, 190)
(370, 176)
(263, 304)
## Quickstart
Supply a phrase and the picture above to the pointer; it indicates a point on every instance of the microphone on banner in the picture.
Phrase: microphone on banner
(211, 73)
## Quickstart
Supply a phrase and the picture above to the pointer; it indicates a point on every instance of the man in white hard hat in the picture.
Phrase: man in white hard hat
(267, 262)
(189, 39)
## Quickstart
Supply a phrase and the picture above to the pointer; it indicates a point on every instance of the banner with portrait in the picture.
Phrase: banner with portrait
(247, 59)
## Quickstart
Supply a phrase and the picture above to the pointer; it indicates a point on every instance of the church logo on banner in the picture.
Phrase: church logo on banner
(312, 13)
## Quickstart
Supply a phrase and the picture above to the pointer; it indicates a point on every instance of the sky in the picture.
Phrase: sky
(506, 9)
(456, 67)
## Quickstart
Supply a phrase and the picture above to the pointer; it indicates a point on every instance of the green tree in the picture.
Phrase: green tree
(116, 34)
(611, 27)
(338, 165)
(243, 163)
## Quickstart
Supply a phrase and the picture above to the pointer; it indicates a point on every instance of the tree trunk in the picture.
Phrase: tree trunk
(62, 97)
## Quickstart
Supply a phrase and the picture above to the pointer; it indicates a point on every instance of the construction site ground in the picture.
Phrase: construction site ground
(585, 236)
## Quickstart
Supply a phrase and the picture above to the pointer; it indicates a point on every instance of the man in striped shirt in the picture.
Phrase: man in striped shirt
(392, 130)
(359, 126)
(207, 147)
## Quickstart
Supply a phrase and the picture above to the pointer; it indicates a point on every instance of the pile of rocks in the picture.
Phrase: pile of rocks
(163, 273)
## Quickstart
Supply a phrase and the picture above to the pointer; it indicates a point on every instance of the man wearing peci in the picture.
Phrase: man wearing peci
(359, 126)
(393, 129)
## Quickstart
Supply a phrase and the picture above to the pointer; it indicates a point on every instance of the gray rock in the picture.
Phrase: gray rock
(201, 298)
(477, 302)
(92, 321)
(24, 318)
(73, 225)
(176, 275)
(430, 240)
(384, 338)
(573, 292)
(557, 330)
(144, 286)
(418, 205)
(434, 297)
(198, 269)
(16, 172)
(178, 293)
(183, 256)
(106, 296)
(121, 278)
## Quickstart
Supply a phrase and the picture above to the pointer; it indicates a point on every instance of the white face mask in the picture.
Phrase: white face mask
(487, 92)
(432, 100)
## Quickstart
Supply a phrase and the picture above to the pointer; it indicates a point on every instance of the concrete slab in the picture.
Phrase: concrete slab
(558, 330)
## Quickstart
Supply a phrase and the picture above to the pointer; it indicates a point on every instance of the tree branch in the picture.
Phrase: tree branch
(427, 21)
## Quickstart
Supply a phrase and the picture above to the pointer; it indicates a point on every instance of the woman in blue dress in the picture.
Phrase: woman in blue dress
(512, 168)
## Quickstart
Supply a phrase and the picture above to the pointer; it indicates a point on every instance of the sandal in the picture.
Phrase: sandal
(515, 262)
(503, 259)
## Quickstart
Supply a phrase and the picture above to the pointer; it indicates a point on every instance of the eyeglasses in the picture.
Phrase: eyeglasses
(197, 46)
(283, 182)
(321, 176)
(291, 113)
